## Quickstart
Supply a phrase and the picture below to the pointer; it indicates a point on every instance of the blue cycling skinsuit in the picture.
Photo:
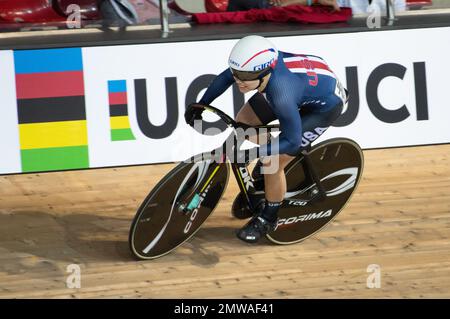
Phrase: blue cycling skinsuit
(302, 93)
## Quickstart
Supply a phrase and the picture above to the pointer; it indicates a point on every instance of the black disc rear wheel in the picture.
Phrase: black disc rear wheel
(339, 163)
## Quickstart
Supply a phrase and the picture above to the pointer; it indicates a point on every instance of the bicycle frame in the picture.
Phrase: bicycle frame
(240, 170)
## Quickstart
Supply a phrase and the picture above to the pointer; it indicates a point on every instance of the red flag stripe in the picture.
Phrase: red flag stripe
(51, 84)
(117, 98)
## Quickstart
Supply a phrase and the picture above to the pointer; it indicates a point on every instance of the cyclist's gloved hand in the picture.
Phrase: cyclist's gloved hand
(193, 113)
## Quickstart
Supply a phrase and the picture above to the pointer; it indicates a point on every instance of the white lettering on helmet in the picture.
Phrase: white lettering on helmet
(263, 66)
(234, 63)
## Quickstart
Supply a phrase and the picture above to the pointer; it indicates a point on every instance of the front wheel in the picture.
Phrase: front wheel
(160, 224)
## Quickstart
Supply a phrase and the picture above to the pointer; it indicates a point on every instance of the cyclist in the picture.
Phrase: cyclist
(299, 90)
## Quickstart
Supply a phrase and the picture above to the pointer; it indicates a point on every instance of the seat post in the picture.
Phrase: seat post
(318, 192)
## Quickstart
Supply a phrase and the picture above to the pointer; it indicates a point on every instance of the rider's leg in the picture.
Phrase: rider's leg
(265, 220)
(256, 112)
(258, 108)
(248, 116)
(275, 182)
(314, 124)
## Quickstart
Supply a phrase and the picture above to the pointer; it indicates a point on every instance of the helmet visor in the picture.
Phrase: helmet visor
(249, 75)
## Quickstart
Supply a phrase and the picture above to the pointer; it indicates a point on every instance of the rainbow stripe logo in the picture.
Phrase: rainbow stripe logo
(118, 111)
(51, 109)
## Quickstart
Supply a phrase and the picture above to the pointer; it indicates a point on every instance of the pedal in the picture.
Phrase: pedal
(240, 209)
(316, 195)
(313, 192)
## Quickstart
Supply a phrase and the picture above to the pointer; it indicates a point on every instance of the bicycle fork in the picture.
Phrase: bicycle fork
(198, 197)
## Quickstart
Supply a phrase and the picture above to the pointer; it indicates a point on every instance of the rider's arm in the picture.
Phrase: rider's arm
(286, 109)
(219, 85)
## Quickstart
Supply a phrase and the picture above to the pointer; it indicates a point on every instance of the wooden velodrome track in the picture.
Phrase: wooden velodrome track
(399, 218)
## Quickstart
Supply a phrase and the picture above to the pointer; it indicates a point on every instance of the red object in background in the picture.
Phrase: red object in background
(216, 5)
(294, 13)
(32, 11)
(418, 3)
(28, 11)
(88, 8)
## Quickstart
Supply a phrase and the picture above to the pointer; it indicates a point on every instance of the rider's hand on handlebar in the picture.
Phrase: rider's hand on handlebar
(193, 113)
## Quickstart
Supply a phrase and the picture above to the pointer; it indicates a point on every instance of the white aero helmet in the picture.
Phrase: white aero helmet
(252, 58)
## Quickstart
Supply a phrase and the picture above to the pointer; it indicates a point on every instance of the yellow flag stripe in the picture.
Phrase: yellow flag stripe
(119, 122)
(53, 134)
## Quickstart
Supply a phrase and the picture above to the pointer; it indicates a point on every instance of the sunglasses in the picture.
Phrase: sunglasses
(249, 75)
